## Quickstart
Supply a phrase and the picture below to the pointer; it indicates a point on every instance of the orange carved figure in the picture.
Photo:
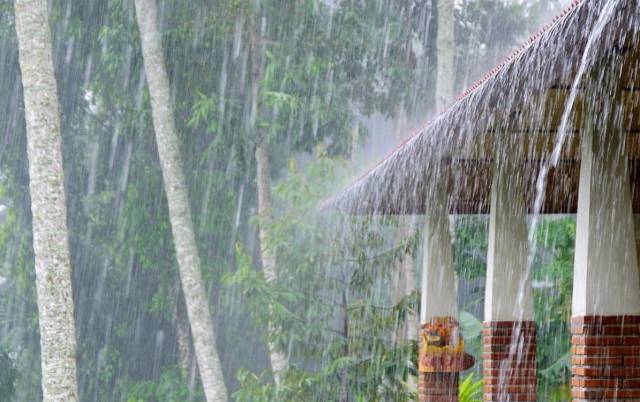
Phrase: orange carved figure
(442, 347)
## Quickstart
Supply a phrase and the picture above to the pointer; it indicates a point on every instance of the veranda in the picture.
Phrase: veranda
(553, 129)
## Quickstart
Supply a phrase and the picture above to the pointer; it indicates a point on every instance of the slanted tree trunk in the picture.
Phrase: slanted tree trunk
(202, 330)
(446, 50)
(185, 348)
(48, 205)
(277, 358)
(182, 337)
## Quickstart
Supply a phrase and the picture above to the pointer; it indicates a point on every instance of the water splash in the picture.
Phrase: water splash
(564, 129)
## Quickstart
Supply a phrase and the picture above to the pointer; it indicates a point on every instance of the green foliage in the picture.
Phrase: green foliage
(202, 112)
(470, 389)
(8, 377)
(555, 238)
(553, 276)
(338, 341)
(171, 387)
(470, 325)
(323, 68)
(554, 265)
(471, 328)
(470, 245)
(488, 30)
(560, 369)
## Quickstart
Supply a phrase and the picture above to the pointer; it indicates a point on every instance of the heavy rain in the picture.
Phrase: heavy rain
(319, 200)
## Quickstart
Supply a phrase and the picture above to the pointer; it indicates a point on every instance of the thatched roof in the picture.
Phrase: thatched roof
(519, 103)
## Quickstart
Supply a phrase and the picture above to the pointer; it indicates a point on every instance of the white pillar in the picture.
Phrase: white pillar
(508, 290)
(438, 276)
(606, 268)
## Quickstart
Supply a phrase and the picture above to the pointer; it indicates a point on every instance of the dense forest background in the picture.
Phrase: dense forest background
(340, 82)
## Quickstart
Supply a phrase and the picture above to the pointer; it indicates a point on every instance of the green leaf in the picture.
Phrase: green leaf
(471, 326)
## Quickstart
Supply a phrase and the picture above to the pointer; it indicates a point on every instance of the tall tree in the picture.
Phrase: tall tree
(202, 329)
(276, 356)
(445, 48)
(414, 58)
(48, 203)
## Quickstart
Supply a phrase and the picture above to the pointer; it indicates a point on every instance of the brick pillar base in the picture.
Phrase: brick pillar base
(439, 373)
(605, 358)
(509, 368)
(438, 387)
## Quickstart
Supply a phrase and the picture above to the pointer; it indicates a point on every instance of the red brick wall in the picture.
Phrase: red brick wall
(605, 358)
(438, 387)
(509, 367)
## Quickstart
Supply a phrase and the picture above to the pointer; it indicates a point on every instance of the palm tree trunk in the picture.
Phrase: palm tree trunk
(185, 350)
(277, 358)
(446, 50)
(48, 204)
(264, 210)
(182, 338)
(202, 330)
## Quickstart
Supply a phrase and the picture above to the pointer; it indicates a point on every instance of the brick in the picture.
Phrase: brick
(622, 393)
(509, 381)
(631, 329)
(497, 340)
(605, 350)
(517, 349)
(631, 340)
(523, 326)
(583, 360)
(586, 393)
(614, 330)
(605, 371)
(631, 383)
(507, 332)
(508, 355)
(597, 340)
(497, 331)
(438, 387)
(632, 361)
(605, 358)
(605, 320)
(622, 351)
(510, 389)
(514, 398)
(596, 382)
(509, 366)
(496, 372)
(528, 347)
